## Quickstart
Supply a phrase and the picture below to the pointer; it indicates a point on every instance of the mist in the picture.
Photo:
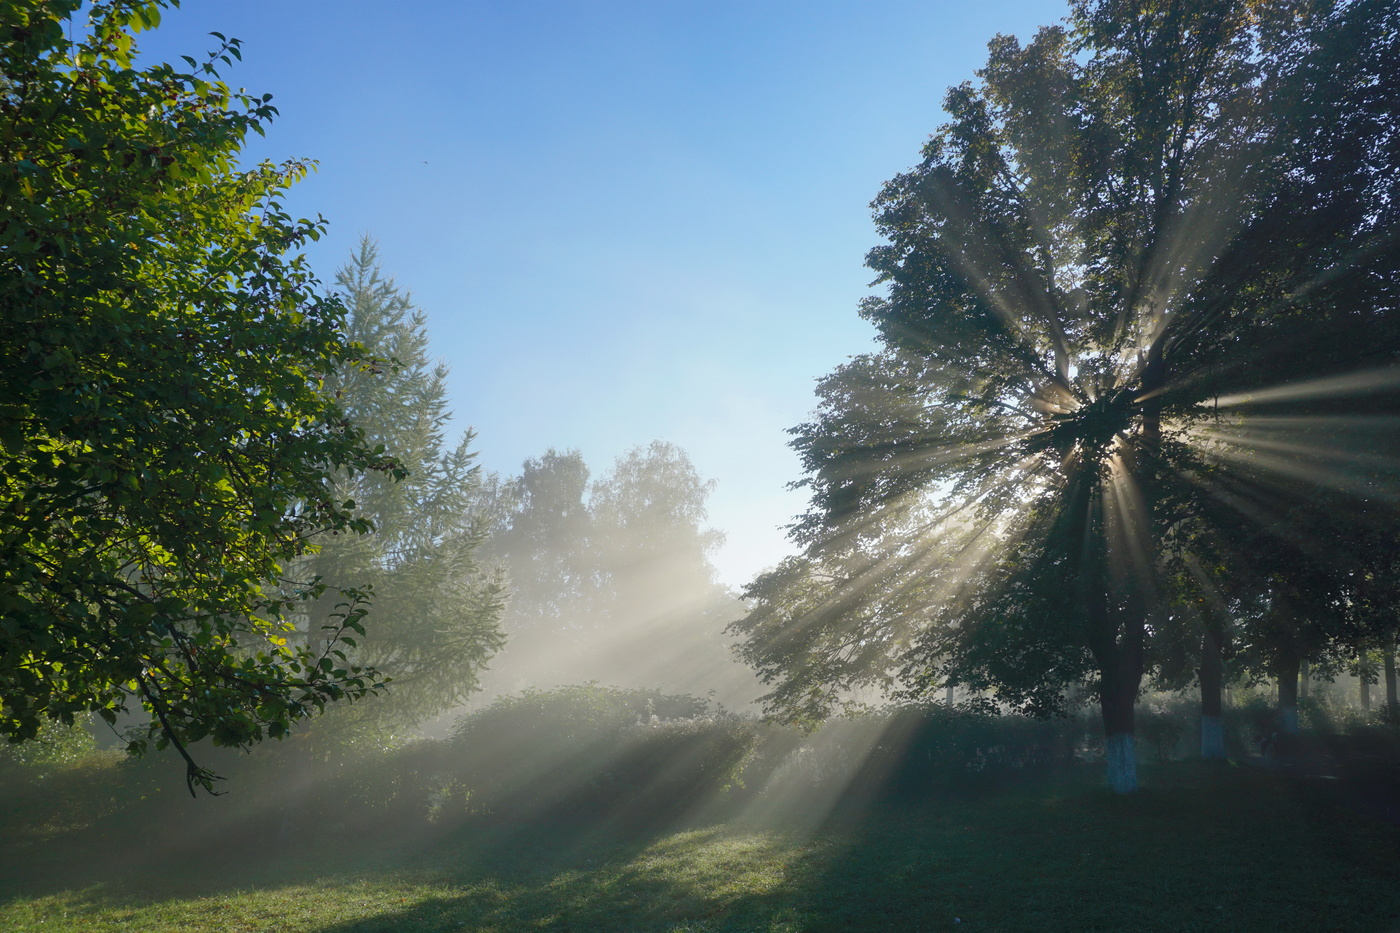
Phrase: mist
(609, 579)
(499, 568)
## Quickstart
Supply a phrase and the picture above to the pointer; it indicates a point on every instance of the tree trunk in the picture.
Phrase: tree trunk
(1120, 753)
(297, 787)
(1118, 649)
(1391, 706)
(1115, 616)
(1118, 690)
(1304, 679)
(1120, 664)
(1121, 655)
(1288, 696)
(1212, 676)
(1363, 678)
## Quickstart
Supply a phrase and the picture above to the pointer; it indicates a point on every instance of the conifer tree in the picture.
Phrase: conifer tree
(435, 620)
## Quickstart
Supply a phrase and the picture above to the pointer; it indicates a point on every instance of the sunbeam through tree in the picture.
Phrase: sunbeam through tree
(1138, 234)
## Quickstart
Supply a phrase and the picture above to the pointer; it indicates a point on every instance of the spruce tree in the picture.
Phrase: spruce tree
(435, 616)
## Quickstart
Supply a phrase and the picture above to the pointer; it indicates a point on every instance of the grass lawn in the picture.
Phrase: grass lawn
(1199, 848)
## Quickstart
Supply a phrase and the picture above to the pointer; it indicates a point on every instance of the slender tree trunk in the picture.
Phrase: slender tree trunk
(1212, 676)
(1304, 679)
(1363, 680)
(949, 694)
(299, 783)
(1288, 695)
(1391, 706)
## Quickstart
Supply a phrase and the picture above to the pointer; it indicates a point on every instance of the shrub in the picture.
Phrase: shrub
(1165, 722)
(590, 752)
(902, 751)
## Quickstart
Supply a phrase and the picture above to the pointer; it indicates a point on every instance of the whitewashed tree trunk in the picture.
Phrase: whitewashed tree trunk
(1121, 757)
(1212, 738)
(1212, 677)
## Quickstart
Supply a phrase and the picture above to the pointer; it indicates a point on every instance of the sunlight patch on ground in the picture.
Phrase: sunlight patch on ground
(673, 881)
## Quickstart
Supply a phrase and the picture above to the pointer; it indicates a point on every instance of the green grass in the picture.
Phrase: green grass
(1199, 848)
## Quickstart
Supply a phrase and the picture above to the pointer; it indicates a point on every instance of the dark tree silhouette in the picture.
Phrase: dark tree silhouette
(1140, 238)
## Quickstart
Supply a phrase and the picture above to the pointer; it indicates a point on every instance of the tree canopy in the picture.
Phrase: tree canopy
(1144, 242)
(167, 450)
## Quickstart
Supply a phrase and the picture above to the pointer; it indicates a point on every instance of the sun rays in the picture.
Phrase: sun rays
(1107, 327)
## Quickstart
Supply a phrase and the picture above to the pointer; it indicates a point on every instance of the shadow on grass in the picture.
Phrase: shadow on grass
(132, 862)
(717, 879)
(1200, 848)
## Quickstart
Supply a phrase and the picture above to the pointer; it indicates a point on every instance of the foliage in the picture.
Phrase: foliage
(435, 620)
(541, 532)
(54, 747)
(900, 754)
(1164, 725)
(166, 449)
(1129, 234)
(593, 752)
(611, 579)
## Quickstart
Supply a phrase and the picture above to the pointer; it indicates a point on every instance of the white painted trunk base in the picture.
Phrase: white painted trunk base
(1212, 738)
(1121, 756)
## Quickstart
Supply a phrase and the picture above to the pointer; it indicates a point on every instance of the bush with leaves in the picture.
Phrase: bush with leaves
(921, 745)
(593, 752)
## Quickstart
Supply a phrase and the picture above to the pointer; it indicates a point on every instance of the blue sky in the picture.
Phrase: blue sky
(625, 220)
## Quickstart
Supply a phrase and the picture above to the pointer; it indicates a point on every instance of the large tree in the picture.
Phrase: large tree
(166, 446)
(542, 535)
(1131, 233)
